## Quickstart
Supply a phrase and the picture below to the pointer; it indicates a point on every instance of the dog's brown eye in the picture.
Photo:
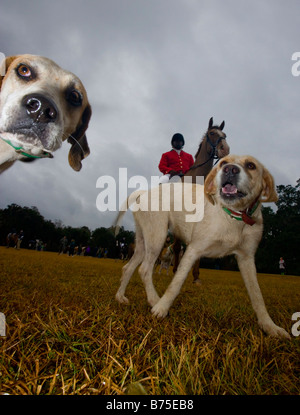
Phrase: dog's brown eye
(75, 97)
(223, 163)
(251, 166)
(24, 71)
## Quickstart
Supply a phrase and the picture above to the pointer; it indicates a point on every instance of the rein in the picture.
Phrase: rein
(213, 155)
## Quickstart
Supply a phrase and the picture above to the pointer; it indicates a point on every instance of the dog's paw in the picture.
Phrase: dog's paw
(159, 310)
(153, 300)
(122, 299)
(275, 331)
(280, 333)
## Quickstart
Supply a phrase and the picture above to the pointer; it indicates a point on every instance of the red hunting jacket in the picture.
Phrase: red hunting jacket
(173, 161)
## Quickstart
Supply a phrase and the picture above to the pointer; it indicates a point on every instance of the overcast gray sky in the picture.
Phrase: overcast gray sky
(152, 68)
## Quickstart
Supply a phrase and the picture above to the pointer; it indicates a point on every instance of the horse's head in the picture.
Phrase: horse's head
(216, 143)
(213, 146)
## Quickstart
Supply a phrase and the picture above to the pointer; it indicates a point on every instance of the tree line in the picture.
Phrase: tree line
(281, 236)
(48, 234)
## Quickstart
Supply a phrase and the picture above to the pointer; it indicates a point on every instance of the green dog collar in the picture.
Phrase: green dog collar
(19, 150)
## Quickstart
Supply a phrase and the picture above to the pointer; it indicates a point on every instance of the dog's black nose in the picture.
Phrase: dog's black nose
(231, 169)
(40, 109)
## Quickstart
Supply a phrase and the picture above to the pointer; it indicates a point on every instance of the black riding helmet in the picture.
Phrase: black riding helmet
(178, 137)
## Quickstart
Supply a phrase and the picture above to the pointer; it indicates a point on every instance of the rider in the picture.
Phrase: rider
(175, 162)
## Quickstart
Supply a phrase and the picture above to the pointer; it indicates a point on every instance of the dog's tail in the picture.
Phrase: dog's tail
(118, 221)
(125, 206)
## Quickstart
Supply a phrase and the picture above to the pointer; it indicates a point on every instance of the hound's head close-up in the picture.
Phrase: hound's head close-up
(41, 105)
(237, 181)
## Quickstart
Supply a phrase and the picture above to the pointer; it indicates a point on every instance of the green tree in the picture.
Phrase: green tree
(281, 237)
(17, 218)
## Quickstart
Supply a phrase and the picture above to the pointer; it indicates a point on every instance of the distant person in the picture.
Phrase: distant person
(20, 239)
(79, 251)
(72, 247)
(39, 245)
(63, 243)
(176, 162)
(117, 250)
(12, 239)
(282, 266)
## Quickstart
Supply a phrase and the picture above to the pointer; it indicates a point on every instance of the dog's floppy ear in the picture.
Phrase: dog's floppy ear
(210, 185)
(269, 193)
(4, 65)
(80, 148)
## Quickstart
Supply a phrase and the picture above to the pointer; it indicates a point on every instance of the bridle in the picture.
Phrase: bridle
(213, 155)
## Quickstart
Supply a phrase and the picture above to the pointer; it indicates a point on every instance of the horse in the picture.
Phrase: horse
(213, 146)
(12, 240)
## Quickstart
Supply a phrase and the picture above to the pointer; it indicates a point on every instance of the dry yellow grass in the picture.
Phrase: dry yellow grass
(67, 335)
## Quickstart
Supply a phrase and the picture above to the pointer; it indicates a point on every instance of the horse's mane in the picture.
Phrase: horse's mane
(199, 148)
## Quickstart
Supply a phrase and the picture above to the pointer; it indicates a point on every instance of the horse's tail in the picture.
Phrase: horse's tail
(125, 206)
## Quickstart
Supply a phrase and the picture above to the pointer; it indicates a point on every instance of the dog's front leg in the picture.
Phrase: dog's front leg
(248, 270)
(161, 309)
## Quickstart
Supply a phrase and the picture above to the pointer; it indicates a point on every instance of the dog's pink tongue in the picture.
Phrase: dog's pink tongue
(229, 189)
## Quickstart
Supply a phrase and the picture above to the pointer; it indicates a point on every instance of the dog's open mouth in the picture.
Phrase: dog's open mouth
(229, 190)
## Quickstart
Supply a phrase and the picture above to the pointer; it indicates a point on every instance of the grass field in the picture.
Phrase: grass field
(67, 335)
